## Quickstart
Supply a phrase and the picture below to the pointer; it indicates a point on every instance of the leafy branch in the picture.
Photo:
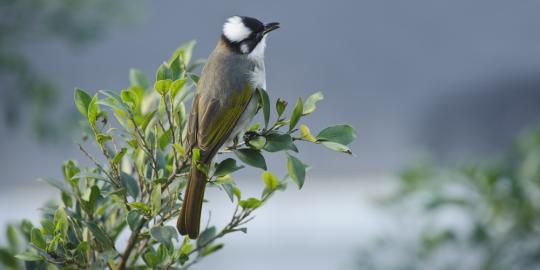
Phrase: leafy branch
(135, 185)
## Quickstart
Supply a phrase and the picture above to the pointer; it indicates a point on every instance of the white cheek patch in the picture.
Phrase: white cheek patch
(244, 48)
(235, 30)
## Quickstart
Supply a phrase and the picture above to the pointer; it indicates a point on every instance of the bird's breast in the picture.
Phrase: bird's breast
(258, 77)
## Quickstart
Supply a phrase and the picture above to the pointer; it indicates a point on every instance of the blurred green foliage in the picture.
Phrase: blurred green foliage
(479, 216)
(25, 93)
(135, 186)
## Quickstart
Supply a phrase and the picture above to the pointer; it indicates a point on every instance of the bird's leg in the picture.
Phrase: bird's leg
(233, 146)
(246, 137)
(250, 135)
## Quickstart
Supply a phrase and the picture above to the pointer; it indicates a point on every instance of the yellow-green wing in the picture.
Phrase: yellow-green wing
(216, 118)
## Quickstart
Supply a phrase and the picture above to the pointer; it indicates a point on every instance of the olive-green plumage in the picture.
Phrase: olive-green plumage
(223, 104)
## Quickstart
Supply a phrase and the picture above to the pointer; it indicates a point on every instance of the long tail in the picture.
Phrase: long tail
(190, 215)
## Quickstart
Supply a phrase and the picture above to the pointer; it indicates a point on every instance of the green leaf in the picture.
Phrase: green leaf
(90, 199)
(175, 68)
(99, 234)
(26, 227)
(181, 254)
(132, 143)
(118, 157)
(278, 142)
(46, 256)
(7, 259)
(257, 142)
(102, 138)
(147, 119)
(337, 147)
(37, 238)
(182, 258)
(164, 235)
(179, 149)
(82, 100)
(250, 203)
(211, 249)
(206, 236)
(343, 134)
(13, 239)
(131, 97)
(237, 193)
(82, 248)
(226, 166)
(186, 247)
(296, 114)
(48, 226)
(114, 101)
(270, 180)
(195, 155)
(66, 199)
(296, 170)
(93, 110)
(176, 86)
(141, 206)
(251, 157)
(165, 139)
(228, 185)
(185, 51)
(265, 104)
(280, 106)
(138, 78)
(130, 185)
(60, 222)
(90, 175)
(133, 218)
(28, 256)
(255, 127)
(311, 102)
(305, 134)
(69, 168)
(163, 73)
(138, 91)
(151, 259)
(162, 86)
(156, 199)
(194, 78)
(281, 123)
(204, 168)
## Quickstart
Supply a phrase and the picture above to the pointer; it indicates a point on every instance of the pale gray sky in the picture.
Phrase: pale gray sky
(453, 78)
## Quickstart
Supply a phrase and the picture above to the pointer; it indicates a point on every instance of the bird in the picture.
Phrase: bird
(224, 104)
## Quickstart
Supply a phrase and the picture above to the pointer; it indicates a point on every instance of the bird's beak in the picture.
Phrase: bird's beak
(270, 27)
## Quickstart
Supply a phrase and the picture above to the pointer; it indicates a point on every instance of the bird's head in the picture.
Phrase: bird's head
(246, 35)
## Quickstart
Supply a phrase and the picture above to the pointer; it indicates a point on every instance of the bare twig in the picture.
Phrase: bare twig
(133, 238)
(97, 164)
(141, 141)
(131, 244)
(237, 219)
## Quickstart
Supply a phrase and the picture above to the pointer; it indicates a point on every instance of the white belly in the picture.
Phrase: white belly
(243, 123)
(258, 80)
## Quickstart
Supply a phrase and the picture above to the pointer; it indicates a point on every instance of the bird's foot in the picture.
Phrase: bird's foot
(250, 135)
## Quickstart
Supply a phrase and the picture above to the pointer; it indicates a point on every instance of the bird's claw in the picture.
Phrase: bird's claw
(250, 135)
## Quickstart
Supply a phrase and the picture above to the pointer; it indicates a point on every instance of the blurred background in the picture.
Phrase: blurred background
(443, 94)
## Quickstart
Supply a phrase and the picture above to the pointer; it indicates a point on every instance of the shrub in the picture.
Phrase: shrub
(478, 216)
(135, 185)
